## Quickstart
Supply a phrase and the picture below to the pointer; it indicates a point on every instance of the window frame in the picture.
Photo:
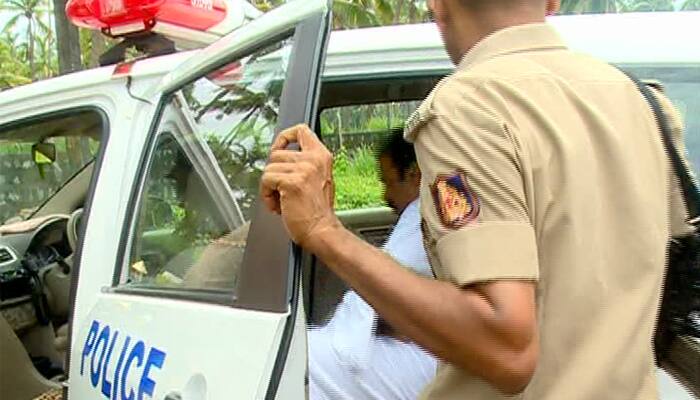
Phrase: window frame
(274, 289)
(136, 200)
(185, 293)
(57, 114)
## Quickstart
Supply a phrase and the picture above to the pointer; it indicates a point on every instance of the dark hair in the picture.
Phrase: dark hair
(398, 150)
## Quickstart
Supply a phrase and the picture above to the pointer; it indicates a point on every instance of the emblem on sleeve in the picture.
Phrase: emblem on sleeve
(455, 203)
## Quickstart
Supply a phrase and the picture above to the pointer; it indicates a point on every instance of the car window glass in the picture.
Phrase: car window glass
(203, 175)
(354, 133)
(26, 183)
(682, 85)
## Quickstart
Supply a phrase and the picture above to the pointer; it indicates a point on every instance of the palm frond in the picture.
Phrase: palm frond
(691, 5)
(385, 11)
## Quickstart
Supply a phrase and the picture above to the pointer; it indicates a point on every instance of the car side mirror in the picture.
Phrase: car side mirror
(43, 154)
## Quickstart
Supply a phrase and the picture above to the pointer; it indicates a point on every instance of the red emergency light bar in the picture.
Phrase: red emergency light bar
(120, 17)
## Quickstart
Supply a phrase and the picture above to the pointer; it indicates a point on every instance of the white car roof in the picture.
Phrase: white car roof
(629, 38)
(632, 38)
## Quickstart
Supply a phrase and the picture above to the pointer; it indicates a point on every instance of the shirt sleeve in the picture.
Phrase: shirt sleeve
(473, 196)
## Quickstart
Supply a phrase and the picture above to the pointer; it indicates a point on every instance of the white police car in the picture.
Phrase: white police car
(130, 194)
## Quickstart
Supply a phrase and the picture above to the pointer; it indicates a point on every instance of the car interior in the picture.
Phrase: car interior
(38, 246)
(324, 290)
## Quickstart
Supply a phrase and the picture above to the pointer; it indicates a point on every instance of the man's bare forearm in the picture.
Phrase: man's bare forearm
(460, 326)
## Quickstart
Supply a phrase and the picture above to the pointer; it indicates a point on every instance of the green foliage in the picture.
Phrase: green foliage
(28, 44)
(266, 5)
(589, 6)
(348, 14)
(24, 185)
(379, 117)
(613, 6)
(648, 5)
(356, 179)
(362, 13)
(241, 165)
(85, 38)
(691, 5)
(384, 123)
(13, 71)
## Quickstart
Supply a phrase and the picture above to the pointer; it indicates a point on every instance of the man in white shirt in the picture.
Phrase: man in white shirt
(349, 358)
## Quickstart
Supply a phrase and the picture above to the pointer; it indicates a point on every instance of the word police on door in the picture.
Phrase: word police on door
(105, 347)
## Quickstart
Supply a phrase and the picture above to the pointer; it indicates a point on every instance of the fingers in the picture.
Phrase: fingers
(281, 168)
(289, 170)
(286, 137)
(276, 185)
(269, 190)
(320, 159)
(286, 156)
(272, 202)
(301, 134)
(270, 196)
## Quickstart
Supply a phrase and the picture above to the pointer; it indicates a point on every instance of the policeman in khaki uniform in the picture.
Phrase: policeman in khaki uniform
(547, 202)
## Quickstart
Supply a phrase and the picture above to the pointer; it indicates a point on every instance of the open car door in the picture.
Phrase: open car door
(205, 299)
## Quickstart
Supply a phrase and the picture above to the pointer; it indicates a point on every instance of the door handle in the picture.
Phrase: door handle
(195, 389)
(173, 396)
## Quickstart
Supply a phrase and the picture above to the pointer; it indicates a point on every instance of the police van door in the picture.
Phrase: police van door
(205, 299)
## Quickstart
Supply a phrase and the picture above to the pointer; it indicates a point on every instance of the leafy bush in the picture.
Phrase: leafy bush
(382, 123)
(356, 177)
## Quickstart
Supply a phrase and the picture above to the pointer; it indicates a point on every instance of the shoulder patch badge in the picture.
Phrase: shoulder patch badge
(454, 201)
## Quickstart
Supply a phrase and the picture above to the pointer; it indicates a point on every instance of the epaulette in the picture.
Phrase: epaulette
(656, 85)
(421, 115)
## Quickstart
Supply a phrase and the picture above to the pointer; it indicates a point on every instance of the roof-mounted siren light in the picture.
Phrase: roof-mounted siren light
(188, 23)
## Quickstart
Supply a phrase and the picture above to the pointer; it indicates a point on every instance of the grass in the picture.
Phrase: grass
(356, 177)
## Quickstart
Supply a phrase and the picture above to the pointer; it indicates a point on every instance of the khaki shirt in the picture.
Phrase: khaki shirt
(543, 164)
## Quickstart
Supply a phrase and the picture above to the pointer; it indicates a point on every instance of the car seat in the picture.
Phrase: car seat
(18, 378)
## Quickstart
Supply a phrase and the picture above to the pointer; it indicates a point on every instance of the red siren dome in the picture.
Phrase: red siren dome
(209, 19)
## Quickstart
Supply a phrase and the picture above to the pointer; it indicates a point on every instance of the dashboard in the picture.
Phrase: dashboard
(26, 255)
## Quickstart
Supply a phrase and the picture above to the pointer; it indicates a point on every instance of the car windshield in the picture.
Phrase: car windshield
(38, 159)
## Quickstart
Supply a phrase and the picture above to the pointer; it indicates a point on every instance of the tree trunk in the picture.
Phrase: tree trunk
(339, 127)
(97, 47)
(30, 48)
(48, 52)
(74, 150)
(412, 10)
(67, 40)
(397, 11)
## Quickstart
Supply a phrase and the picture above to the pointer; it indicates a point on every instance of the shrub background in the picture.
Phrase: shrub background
(356, 177)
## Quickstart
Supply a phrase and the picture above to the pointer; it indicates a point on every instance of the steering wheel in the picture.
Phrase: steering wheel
(72, 228)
